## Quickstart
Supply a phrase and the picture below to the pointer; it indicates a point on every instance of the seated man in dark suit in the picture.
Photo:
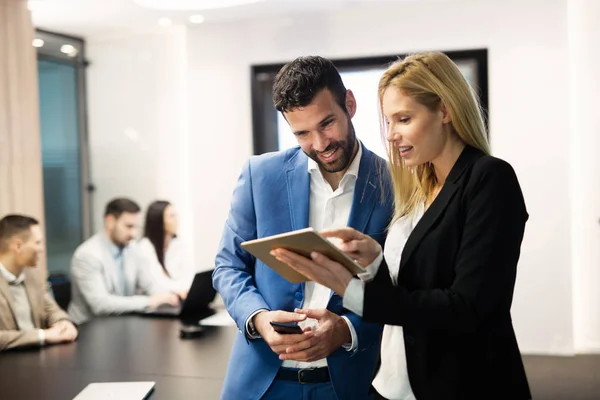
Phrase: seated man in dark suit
(28, 314)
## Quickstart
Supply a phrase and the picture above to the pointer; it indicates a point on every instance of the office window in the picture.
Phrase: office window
(271, 131)
(60, 77)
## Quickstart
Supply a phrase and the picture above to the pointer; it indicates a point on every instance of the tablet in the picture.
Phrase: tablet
(116, 390)
(303, 241)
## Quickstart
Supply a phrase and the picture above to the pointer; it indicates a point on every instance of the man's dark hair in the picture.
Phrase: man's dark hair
(14, 224)
(119, 206)
(299, 81)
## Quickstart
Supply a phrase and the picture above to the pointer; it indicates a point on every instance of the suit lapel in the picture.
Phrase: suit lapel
(298, 194)
(110, 270)
(365, 190)
(109, 266)
(36, 308)
(298, 190)
(5, 291)
(435, 210)
(424, 225)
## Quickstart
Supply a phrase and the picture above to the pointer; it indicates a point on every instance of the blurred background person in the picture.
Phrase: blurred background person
(108, 274)
(29, 316)
(163, 250)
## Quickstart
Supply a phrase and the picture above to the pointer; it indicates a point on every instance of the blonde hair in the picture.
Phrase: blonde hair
(431, 79)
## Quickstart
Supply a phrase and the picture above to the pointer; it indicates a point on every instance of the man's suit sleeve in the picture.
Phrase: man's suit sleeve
(11, 339)
(234, 267)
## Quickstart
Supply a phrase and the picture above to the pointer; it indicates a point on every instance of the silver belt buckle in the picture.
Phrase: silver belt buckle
(301, 372)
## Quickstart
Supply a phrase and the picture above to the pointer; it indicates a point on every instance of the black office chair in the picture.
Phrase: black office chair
(60, 287)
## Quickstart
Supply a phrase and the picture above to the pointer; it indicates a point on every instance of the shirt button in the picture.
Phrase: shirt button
(298, 296)
(410, 339)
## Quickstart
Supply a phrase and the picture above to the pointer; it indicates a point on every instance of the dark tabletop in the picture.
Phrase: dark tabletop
(120, 349)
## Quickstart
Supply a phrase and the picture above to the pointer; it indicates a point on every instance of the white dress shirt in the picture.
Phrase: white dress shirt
(328, 209)
(392, 378)
(181, 272)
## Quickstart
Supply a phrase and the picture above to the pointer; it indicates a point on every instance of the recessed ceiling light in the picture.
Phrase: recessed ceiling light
(192, 4)
(68, 50)
(35, 5)
(37, 42)
(164, 22)
(196, 19)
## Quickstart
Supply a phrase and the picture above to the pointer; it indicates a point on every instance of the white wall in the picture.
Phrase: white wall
(584, 57)
(138, 128)
(527, 43)
(203, 117)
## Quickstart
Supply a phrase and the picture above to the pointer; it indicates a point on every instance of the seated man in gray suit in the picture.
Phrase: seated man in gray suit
(108, 275)
(29, 316)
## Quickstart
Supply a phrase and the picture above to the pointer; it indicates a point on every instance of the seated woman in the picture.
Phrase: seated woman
(163, 250)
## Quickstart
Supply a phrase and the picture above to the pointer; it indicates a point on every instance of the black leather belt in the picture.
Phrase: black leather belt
(304, 375)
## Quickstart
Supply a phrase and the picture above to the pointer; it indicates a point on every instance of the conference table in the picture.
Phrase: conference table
(122, 349)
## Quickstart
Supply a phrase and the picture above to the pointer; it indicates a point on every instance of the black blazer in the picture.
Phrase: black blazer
(456, 282)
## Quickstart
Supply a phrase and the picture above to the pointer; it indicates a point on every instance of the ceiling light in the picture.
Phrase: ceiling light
(37, 42)
(196, 19)
(35, 5)
(69, 50)
(192, 4)
(164, 22)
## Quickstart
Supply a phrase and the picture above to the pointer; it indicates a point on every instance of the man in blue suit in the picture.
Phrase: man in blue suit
(330, 181)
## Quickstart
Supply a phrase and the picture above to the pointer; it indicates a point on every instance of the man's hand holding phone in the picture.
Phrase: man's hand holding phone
(279, 342)
(286, 328)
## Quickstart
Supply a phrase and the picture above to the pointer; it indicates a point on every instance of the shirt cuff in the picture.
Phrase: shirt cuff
(353, 345)
(41, 336)
(371, 269)
(248, 335)
(354, 297)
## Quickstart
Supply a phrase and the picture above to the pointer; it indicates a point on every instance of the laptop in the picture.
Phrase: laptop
(195, 306)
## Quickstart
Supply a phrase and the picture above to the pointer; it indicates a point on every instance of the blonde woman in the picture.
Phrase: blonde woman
(444, 284)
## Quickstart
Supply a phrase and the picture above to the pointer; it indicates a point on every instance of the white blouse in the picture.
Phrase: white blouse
(181, 273)
(392, 378)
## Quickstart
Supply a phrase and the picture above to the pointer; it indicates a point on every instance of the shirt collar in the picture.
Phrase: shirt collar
(114, 250)
(10, 277)
(352, 169)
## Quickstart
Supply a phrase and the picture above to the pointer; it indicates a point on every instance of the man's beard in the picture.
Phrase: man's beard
(118, 242)
(343, 160)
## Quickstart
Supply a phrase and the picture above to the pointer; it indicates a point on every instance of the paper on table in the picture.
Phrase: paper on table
(116, 390)
(220, 318)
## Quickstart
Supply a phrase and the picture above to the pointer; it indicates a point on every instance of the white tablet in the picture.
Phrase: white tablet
(116, 390)
(302, 241)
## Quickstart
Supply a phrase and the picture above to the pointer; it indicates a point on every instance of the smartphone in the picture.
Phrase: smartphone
(286, 327)
(190, 331)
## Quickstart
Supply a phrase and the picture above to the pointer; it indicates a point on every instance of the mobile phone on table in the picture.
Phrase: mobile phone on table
(286, 327)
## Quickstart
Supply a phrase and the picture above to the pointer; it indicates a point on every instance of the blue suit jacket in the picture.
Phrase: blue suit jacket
(272, 197)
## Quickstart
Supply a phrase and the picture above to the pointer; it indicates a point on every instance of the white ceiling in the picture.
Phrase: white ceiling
(90, 18)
